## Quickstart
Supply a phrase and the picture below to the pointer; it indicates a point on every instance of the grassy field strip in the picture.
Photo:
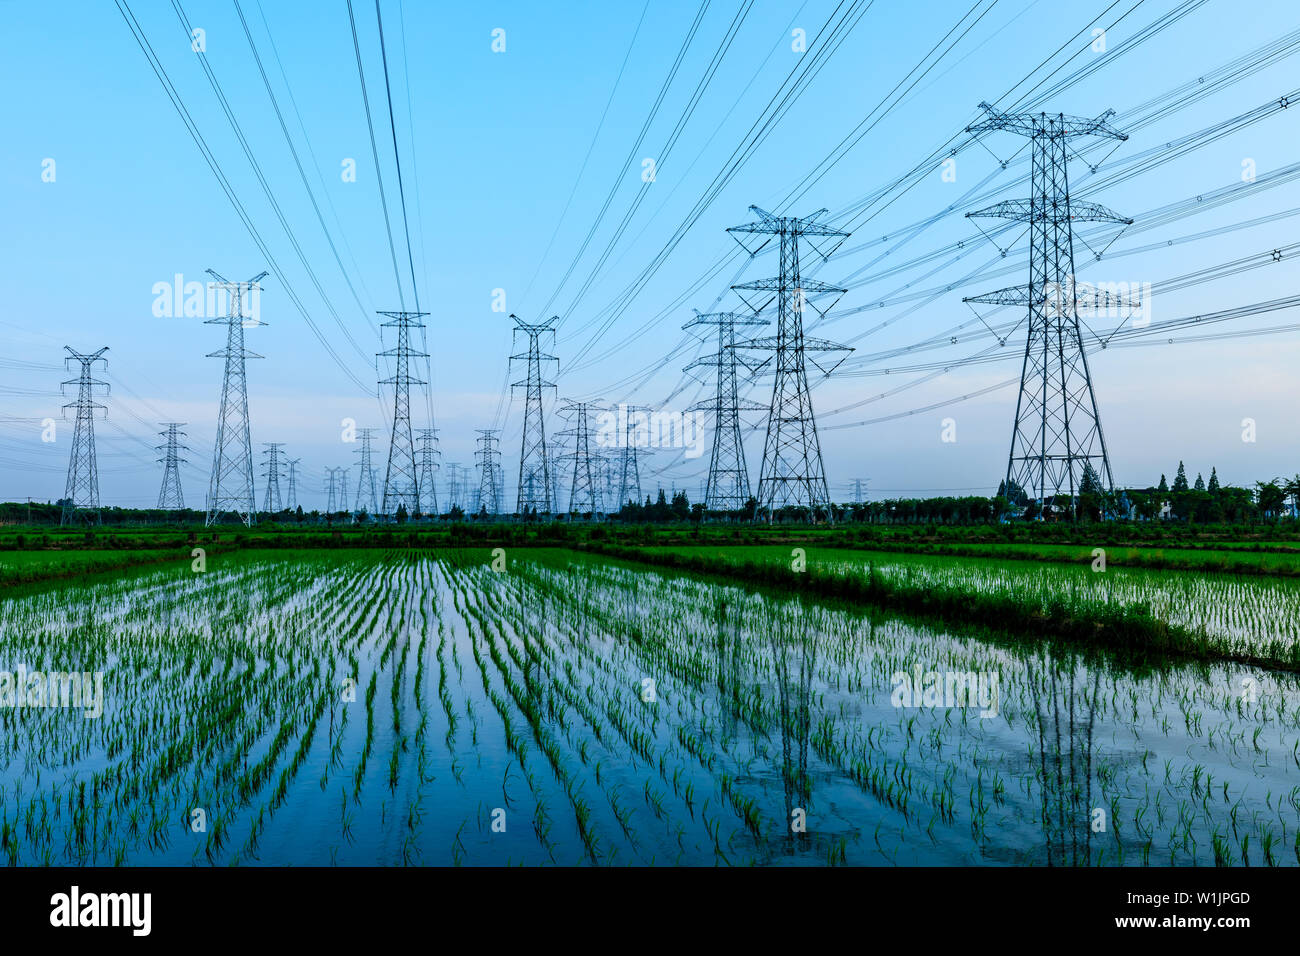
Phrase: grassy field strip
(1239, 559)
(1247, 616)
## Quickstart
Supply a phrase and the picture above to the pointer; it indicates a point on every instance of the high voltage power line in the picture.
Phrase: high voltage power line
(1038, 86)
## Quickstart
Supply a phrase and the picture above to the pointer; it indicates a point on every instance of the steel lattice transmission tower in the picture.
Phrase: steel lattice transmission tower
(792, 471)
(170, 496)
(366, 481)
(81, 495)
(534, 463)
(611, 464)
(272, 504)
(291, 500)
(231, 490)
(1057, 431)
(430, 464)
(330, 488)
(727, 487)
(556, 456)
(586, 487)
(401, 480)
(454, 486)
(491, 479)
(632, 438)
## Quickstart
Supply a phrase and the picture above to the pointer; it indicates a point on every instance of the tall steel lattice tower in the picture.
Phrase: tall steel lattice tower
(453, 487)
(491, 480)
(170, 496)
(556, 457)
(272, 504)
(291, 500)
(1057, 432)
(585, 492)
(634, 438)
(610, 462)
(231, 489)
(534, 464)
(727, 487)
(430, 464)
(792, 472)
(343, 489)
(401, 480)
(330, 489)
(367, 494)
(81, 496)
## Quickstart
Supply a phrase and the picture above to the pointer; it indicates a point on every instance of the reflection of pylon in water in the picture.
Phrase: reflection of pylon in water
(1064, 700)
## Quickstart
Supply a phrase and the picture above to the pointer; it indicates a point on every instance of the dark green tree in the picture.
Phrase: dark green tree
(1180, 480)
(1270, 497)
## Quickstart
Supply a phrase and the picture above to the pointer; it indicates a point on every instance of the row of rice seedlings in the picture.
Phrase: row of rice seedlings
(980, 803)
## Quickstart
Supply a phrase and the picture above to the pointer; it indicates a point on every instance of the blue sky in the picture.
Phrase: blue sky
(492, 144)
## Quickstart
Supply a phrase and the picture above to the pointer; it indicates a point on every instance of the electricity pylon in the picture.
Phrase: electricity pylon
(534, 467)
(430, 463)
(291, 500)
(491, 481)
(330, 491)
(366, 482)
(556, 457)
(611, 464)
(453, 486)
(272, 503)
(727, 486)
(170, 496)
(343, 489)
(1057, 432)
(857, 486)
(633, 437)
(792, 471)
(584, 494)
(231, 489)
(81, 495)
(401, 486)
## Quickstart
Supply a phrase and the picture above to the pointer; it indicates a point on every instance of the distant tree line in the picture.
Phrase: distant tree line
(1199, 502)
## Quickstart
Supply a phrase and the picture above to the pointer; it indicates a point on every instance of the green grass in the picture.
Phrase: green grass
(1130, 611)
(25, 567)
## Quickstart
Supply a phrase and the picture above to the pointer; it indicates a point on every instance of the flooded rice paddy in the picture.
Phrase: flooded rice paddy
(363, 708)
